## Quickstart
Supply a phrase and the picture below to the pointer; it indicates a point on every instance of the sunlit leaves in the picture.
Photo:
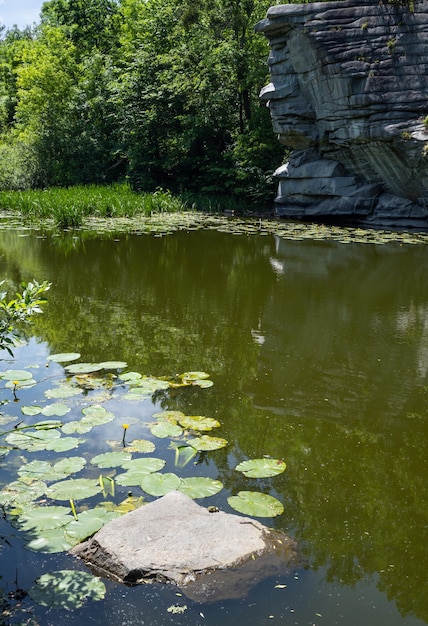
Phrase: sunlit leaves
(256, 504)
(64, 390)
(126, 506)
(76, 426)
(206, 443)
(113, 365)
(165, 429)
(50, 542)
(183, 454)
(88, 523)
(111, 459)
(31, 410)
(32, 440)
(67, 589)
(198, 422)
(63, 444)
(97, 415)
(145, 387)
(131, 378)
(170, 416)
(20, 492)
(137, 469)
(43, 518)
(43, 470)
(140, 445)
(144, 465)
(57, 409)
(261, 468)
(74, 489)
(158, 484)
(83, 368)
(64, 357)
(16, 375)
(200, 487)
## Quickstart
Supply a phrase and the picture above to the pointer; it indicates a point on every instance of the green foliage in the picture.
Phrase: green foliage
(18, 310)
(163, 93)
(68, 207)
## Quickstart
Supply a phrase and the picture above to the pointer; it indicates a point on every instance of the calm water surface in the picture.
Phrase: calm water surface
(319, 356)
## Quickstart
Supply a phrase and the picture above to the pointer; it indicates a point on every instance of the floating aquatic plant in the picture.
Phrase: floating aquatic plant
(261, 468)
(256, 504)
(67, 589)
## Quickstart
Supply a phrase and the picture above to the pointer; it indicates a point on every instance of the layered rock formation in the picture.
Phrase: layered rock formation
(349, 95)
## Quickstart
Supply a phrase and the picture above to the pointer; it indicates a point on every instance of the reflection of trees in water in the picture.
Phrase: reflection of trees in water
(342, 371)
(318, 358)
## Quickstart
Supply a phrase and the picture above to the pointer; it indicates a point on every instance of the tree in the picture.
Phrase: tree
(90, 24)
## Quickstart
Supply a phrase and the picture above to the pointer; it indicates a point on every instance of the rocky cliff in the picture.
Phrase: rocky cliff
(349, 95)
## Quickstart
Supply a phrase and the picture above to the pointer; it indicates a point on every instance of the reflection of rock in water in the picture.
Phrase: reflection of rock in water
(348, 94)
(211, 556)
(345, 331)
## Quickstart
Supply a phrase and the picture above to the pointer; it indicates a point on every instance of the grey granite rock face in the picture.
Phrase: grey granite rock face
(211, 556)
(349, 93)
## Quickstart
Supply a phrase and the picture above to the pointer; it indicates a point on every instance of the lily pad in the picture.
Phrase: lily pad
(261, 468)
(113, 365)
(74, 489)
(256, 504)
(43, 470)
(192, 376)
(63, 444)
(140, 445)
(200, 487)
(19, 492)
(131, 377)
(83, 368)
(67, 589)
(33, 441)
(203, 384)
(76, 426)
(153, 384)
(131, 478)
(63, 391)
(165, 429)
(207, 443)
(45, 518)
(158, 484)
(111, 459)
(168, 416)
(88, 523)
(198, 422)
(52, 542)
(20, 384)
(145, 465)
(64, 357)
(126, 506)
(18, 375)
(31, 410)
(57, 409)
(95, 414)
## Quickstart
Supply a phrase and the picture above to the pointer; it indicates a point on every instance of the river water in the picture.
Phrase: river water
(318, 351)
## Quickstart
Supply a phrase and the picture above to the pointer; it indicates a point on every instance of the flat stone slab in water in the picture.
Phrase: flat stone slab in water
(173, 539)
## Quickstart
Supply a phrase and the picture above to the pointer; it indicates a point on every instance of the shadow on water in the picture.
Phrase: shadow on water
(319, 355)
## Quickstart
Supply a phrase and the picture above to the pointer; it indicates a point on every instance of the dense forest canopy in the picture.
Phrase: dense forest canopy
(163, 93)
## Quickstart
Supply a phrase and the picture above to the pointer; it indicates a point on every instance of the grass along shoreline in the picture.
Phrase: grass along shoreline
(68, 207)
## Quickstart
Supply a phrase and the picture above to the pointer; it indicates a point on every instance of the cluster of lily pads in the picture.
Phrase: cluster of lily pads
(167, 223)
(49, 504)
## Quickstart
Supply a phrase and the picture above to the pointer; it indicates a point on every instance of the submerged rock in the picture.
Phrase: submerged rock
(349, 96)
(211, 556)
